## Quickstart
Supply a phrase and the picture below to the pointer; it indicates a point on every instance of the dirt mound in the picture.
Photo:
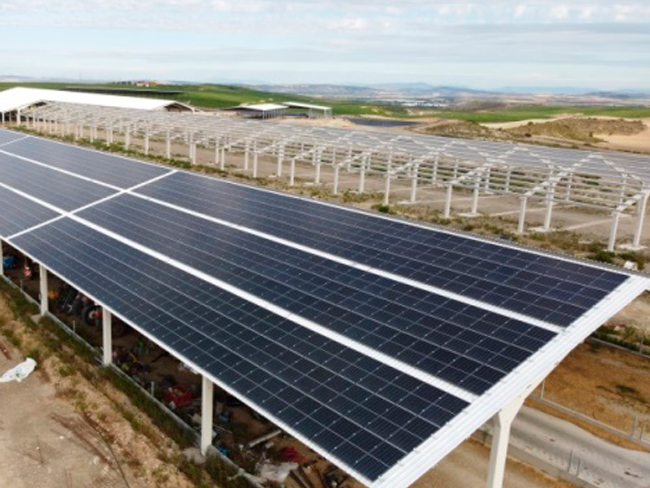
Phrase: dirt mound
(461, 128)
(578, 129)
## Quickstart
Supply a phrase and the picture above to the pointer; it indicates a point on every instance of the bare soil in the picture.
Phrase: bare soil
(609, 385)
(57, 429)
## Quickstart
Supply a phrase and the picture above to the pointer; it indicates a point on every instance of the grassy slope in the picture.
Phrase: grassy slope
(219, 96)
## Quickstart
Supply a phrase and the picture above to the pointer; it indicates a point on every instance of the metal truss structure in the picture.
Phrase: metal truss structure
(609, 181)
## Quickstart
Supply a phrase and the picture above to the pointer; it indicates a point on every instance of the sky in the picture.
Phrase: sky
(483, 44)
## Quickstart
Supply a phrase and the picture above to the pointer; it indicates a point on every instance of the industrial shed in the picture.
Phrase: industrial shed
(259, 111)
(380, 343)
(14, 100)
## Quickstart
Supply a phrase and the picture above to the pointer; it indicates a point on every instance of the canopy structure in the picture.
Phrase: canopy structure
(609, 181)
(381, 344)
(20, 98)
(312, 110)
(262, 110)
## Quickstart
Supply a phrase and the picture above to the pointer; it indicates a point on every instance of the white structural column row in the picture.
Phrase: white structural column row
(207, 397)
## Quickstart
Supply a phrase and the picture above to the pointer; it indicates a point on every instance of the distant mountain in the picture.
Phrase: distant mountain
(544, 90)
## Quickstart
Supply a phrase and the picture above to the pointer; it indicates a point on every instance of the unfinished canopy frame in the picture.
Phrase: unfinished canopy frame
(612, 182)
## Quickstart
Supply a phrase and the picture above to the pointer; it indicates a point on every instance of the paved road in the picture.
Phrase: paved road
(601, 463)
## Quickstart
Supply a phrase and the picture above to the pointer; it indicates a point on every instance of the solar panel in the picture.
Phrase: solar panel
(53, 187)
(467, 346)
(380, 344)
(19, 213)
(365, 413)
(106, 168)
(540, 286)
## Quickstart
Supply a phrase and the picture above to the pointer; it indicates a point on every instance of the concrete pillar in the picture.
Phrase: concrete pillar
(550, 195)
(18, 117)
(502, 423)
(362, 175)
(127, 138)
(168, 145)
(387, 190)
(335, 188)
(193, 153)
(616, 215)
(474, 209)
(255, 161)
(146, 143)
(44, 290)
(522, 215)
(317, 174)
(207, 399)
(447, 212)
(414, 183)
(641, 211)
(246, 151)
(292, 172)
(107, 335)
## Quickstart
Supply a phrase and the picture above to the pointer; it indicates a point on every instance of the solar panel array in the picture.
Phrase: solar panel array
(366, 337)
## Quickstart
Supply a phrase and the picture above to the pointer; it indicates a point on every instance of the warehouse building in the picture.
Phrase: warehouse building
(15, 100)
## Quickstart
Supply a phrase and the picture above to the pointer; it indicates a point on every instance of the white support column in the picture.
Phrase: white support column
(447, 212)
(414, 183)
(278, 171)
(550, 195)
(387, 190)
(223, 157)
(521, 227)
(292, 172)
(317, 173)
(207, 399)
(502, 423)
(44, 290)
(335, 188)
(641, 211)
(146, 142)
(616, 215)
(18, 117)
(255, 160)
(127, 138)
(362, 175)
(107, 335)
(246, 151)
(193, 152)
(168, 146)
(477, 185)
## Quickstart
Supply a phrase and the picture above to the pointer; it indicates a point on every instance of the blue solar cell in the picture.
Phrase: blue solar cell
(53, 187)
(19, 213)
(532, 284)
(107, 168)
(312, 286)
(246, 349)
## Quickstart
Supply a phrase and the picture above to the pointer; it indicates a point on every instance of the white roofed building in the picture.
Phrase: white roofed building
(14, 100)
